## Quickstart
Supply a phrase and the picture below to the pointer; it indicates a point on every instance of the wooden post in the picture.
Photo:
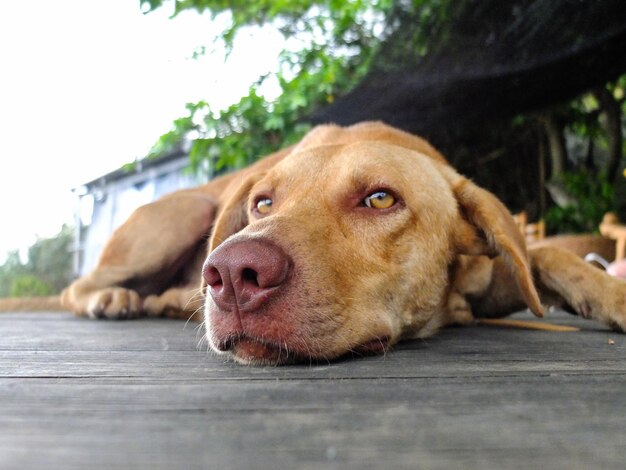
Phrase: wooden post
(610, 228)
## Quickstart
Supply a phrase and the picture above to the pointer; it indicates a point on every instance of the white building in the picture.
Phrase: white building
(106, 202)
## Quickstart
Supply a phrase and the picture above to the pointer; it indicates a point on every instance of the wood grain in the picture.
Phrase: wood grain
(77, 393)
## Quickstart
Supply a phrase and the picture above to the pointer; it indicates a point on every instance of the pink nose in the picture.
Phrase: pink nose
(242, 276)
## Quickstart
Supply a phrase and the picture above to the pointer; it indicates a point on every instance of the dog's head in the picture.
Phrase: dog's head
(343, 248)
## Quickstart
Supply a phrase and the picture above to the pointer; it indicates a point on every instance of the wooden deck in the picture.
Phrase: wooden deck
(77, 393)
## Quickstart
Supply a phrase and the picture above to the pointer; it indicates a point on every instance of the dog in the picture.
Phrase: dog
(352, 240)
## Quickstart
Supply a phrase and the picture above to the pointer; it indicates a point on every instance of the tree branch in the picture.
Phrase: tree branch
(612, 110)
(556, 143)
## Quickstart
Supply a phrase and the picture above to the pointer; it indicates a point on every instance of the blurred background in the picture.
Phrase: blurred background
(108, 105)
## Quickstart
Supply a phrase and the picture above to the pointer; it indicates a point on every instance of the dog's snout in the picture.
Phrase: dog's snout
(243, 275)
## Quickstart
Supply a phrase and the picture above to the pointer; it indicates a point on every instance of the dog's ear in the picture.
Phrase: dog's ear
(487, 228)
(233, 215)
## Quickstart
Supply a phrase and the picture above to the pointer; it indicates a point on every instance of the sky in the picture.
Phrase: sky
(86, 86)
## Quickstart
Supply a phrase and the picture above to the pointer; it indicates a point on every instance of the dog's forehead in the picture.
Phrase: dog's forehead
(369, 159)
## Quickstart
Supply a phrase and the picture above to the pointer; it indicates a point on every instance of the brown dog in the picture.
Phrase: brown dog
(352, 240)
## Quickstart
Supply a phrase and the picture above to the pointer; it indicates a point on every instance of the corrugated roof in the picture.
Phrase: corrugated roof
(137, 167)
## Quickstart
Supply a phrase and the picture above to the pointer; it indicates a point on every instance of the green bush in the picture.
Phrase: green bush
(594, 196)
(30, 286)
(47, 270)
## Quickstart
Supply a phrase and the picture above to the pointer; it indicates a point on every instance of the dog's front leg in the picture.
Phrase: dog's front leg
(482, 287)
(581, 287)
(144, 257)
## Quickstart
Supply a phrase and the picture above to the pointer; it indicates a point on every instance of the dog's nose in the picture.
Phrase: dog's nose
(243, 275)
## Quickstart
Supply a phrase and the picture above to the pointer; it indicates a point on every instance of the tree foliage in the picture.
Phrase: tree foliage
(47, 270)
(587, 150)
(330, 47)
(592, 197)
(336, 43)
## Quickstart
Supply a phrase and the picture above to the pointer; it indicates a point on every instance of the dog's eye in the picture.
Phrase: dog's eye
(263, 205)
(379, 200)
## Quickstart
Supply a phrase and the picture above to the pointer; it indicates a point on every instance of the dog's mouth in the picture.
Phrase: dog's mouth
(254, 351)
(249, 350)
(376, 346)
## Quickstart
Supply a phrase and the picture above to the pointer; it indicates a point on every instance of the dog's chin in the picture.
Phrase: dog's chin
(251, 351)
(247, 350)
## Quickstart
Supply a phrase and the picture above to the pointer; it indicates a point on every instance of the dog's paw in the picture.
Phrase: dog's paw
(154, 306)
(115, 303)
(458, 310)
(607, 306)
(616, 317)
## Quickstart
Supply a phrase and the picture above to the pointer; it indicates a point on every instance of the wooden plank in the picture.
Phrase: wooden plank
(256, 424)
(138, 394)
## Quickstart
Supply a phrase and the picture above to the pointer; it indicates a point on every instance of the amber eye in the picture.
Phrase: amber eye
(379, 200)
(263, 205)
